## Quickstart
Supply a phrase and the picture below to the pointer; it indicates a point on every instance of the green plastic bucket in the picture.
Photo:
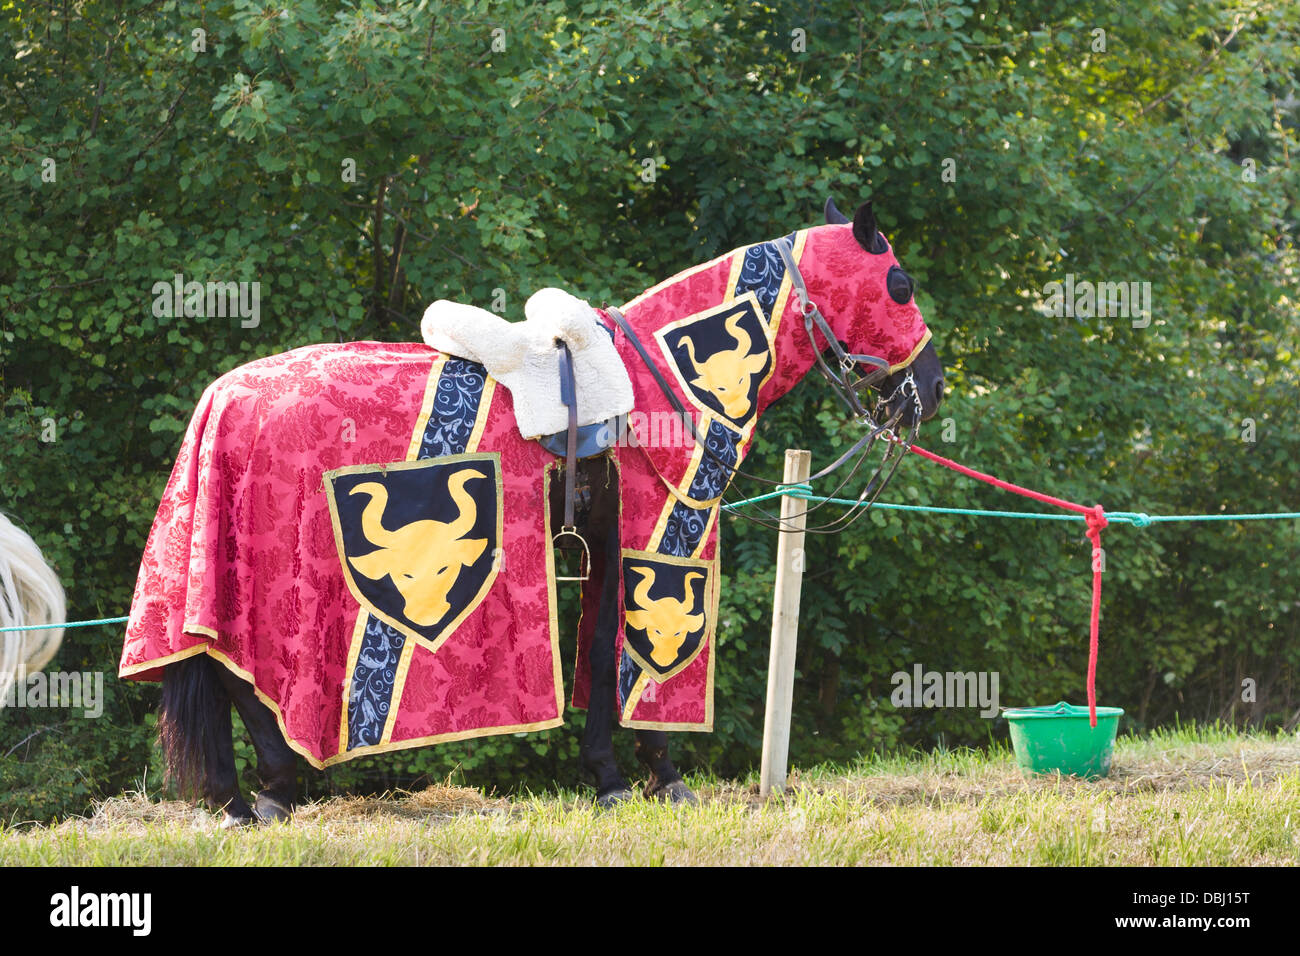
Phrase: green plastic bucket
(1059, 739)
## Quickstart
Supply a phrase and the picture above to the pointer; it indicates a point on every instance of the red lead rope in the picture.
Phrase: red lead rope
(1096, 520)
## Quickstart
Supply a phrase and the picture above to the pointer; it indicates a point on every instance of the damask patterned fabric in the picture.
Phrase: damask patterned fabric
(360, 531)
(246, 562)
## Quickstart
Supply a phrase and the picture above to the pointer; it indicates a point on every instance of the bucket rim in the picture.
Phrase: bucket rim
(1061, 709)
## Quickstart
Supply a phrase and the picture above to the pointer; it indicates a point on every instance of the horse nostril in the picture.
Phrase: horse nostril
(938, 391)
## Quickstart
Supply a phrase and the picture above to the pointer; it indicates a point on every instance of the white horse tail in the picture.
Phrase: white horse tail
(30, 593)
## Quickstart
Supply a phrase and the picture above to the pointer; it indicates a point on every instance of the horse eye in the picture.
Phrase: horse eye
(899, 284)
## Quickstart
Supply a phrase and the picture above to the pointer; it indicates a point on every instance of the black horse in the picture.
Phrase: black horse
(194, 720)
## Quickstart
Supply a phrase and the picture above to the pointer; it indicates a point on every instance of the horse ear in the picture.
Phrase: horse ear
(833, 216)
(865, 231)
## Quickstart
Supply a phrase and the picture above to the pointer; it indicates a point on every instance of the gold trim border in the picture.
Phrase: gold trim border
(677, 277)
(916, 350)
(167, 659)
(373, 748)
(553, 609)
(638, 690)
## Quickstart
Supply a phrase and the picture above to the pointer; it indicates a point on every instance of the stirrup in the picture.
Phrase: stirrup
(584, 563)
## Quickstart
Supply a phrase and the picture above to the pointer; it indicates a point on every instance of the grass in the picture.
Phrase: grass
(1188, 797)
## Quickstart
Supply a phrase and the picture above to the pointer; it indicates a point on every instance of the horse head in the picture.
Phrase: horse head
(868, 300)
(423, 558)
(666, 621)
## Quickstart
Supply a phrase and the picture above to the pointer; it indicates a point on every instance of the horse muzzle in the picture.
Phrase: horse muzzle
(916, 392)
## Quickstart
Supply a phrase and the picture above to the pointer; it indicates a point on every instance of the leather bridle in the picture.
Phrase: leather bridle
(847, 385)
(844, 389)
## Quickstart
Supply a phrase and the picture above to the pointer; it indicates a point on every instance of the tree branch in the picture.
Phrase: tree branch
(377, 243)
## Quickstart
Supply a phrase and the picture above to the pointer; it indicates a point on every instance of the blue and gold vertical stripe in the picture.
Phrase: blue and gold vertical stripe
(452, 414)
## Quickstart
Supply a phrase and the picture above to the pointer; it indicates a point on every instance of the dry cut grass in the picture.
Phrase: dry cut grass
(1187, 798)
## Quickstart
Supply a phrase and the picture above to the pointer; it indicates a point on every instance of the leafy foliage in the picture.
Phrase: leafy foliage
(360, 160)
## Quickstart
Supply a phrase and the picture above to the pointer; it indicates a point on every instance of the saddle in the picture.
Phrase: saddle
(526, 358)
(571, 391)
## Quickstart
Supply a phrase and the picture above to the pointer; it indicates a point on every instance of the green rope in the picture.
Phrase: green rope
(49, 627)
(1136, 518)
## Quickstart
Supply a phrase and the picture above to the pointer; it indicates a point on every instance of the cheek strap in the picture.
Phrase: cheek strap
(843, 381)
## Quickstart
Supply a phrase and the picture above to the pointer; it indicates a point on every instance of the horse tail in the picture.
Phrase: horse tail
(30, 593)
(193, 724)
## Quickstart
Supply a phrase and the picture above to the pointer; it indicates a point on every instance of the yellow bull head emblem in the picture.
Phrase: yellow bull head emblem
(424, 558)
(667, 621)
(726, 375)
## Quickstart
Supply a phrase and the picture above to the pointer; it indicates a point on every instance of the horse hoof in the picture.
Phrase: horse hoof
(270, 810)
(232, 822)
(608, 801)
(676, 793)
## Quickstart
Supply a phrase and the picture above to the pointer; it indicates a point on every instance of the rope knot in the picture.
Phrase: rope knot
(1140, 520)
(1096, 519)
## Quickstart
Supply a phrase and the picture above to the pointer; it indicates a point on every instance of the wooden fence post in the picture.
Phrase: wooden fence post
(785, 627)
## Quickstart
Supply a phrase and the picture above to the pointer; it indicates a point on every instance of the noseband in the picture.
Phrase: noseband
(848, 386)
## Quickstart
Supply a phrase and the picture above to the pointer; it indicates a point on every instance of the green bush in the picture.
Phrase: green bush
(1004, 150)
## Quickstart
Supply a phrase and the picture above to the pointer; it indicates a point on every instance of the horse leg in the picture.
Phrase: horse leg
(194, 731)
(665, 782)
(597, 750)
(277, 764)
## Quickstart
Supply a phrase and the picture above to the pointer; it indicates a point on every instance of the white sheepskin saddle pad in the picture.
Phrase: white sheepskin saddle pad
(523, 357)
